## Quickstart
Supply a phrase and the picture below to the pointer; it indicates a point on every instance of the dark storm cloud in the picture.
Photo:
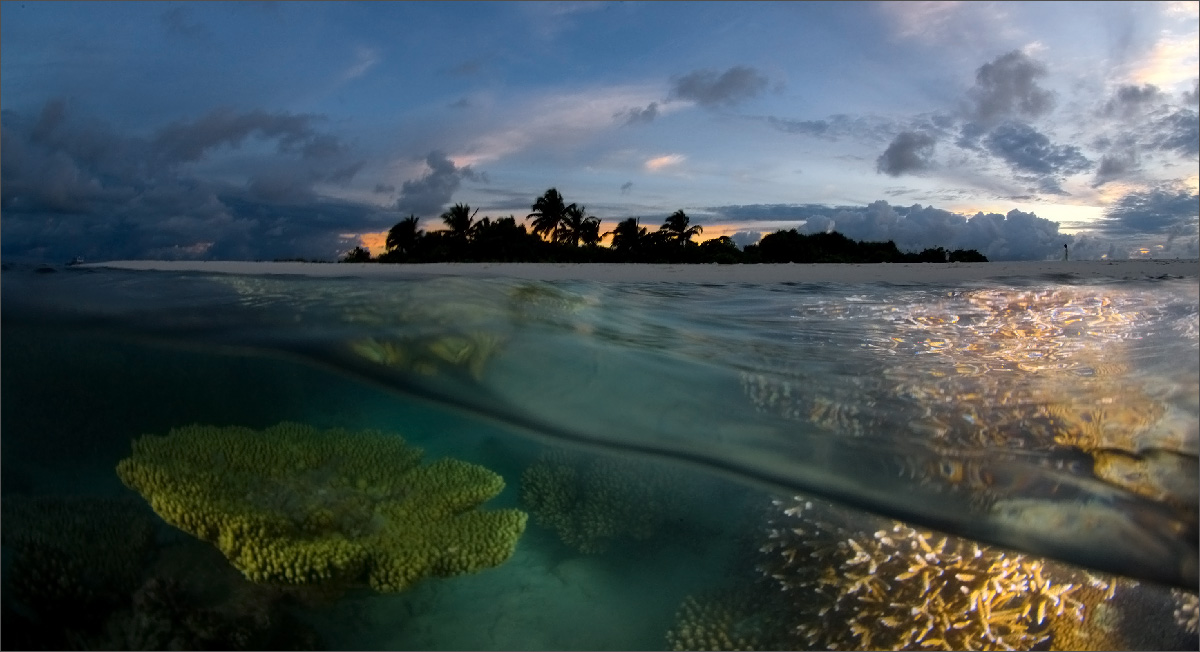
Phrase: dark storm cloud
(638, 116)
(1028, 150)
(1007, 87)
(1178, 131)
(384, 188)
(710, 89)
(1131, 100)
(428, 196)
(70, 187)
(1172, 212)
(189, 141)
(909, 152)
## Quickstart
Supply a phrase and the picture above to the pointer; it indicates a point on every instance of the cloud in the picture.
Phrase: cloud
(364, 60)
(176, 21)
(384, 189)
(710, 89)
(461, 103)
(70, 186)
(661, 162)
(1007, 87)
(1115, 166)
(1027, 150)
(744, 239)
(428, 196)
(626, 187)
(467, 68)
(1164, 211)
(1178, 131)
(909, 152)
(838, 126)
(1130, 100)
(638, 116)
(1193, 96)
(189, 141)
(1014, 236)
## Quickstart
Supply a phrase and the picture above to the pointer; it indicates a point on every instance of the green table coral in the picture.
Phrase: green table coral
(296, 505)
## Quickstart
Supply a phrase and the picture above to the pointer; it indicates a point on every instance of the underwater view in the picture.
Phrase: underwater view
(197, 460)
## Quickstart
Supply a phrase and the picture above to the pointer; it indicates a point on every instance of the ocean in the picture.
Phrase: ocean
(228, 460)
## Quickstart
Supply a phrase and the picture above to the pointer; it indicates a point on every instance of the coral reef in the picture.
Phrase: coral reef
(736, 620)
(860, 582)
(295, 505)
(79, 554)
(1008, 372)
(592, 501)
(1187, 611)
(194, 601)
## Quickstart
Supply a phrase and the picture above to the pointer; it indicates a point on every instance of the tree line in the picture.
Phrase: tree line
(561, 232)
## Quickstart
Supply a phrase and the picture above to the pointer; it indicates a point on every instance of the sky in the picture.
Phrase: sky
(259, 131)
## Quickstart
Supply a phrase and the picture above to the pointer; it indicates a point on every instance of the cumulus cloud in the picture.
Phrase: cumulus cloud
(70, 186)
(1015, 236)
(1131, 100)
(744, 239)
(908, 153)
(1162, 211)
(710, 89)
(638, 116)
(1115, 166)
(1007, 87)
(1028, 150)
(428, 195)
(1178, 131)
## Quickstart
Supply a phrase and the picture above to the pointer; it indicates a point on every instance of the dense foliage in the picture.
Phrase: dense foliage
(565, 233)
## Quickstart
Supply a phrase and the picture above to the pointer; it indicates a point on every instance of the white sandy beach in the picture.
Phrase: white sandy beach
(608, 272)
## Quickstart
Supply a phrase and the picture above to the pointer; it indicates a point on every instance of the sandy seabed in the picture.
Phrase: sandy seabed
(712, 273)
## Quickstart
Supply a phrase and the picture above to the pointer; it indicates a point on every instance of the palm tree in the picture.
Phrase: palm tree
(548, 213)
(575, 224)
(458, 219)
(628, 236)
(589, 232)
(677, 230)
(404, 235)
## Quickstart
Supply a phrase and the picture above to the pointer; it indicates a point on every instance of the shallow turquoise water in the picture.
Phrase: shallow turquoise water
(1050, 417)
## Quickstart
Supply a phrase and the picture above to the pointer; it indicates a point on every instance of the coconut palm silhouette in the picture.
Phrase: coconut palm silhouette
(549, 210)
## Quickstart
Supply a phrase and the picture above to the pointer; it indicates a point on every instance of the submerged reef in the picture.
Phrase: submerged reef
(73, 554)
(591, 502)
(736, 620)
(87, 573)
(296, 505)
(861, 582)
(984, 376)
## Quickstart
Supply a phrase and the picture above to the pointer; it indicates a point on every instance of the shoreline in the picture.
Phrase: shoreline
(698, 273)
